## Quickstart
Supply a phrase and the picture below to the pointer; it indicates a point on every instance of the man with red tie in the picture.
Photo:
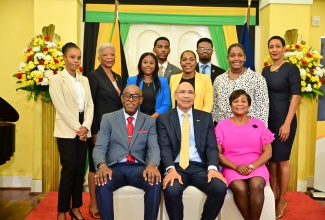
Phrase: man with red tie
(127, 153)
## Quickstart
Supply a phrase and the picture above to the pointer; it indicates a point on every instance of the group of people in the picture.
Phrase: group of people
(169, 128)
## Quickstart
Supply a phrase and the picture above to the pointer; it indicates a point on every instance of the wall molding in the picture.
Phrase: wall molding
(264, 3)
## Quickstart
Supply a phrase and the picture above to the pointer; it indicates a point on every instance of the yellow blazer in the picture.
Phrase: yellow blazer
(203, 90)
(65, 102)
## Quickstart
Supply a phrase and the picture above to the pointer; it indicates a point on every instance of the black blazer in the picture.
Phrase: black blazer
(169, 137)
(215, 71)
(105, 97)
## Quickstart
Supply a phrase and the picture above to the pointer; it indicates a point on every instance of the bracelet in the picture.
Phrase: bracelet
(102, 166)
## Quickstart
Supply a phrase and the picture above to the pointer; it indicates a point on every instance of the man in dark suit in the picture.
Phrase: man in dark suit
(204, 49)
(161, 48)
(199, 167)
(123, 157)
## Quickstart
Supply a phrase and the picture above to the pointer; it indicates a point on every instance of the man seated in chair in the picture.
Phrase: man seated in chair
(189, 156)
(127, 153)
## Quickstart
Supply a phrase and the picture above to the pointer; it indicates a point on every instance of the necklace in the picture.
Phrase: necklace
(237, 75)
(275, 68)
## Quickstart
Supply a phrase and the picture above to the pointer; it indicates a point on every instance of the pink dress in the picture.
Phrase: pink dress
(243, 145)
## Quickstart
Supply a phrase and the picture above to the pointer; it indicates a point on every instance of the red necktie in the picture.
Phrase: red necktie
(130, 129)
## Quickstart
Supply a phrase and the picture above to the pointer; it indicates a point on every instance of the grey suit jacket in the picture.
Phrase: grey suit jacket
(171, 70)
(112, 140)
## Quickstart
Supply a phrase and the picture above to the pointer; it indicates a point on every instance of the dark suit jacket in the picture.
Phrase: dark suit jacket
(169, 137)
(171, 70)
(112, 141)
(105, 97)
(215, 71)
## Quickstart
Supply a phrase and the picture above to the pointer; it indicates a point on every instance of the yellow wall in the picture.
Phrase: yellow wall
(17, 29)
(20, 21)
(315, 33)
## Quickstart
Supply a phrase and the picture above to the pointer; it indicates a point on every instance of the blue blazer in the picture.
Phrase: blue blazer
(163, 102)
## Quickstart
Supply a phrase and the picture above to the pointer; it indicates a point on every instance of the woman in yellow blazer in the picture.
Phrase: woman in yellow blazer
(201, 82)
(71, 96)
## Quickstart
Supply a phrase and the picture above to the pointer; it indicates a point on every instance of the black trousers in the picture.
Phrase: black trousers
(196, 175)
(73, 153)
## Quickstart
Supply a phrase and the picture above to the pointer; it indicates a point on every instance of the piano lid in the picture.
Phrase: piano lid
(7, 112)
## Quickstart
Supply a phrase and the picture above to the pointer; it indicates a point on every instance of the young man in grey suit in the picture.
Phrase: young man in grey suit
(197, 165)
(204, 49)
(127, 153)
(161, 48)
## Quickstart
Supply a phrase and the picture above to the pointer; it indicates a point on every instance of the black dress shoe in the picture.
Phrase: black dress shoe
(73, 216)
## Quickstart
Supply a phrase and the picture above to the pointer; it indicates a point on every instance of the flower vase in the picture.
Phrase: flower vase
(50, 155)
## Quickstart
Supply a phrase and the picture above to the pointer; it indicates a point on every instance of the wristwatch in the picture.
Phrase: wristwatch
(251, 166)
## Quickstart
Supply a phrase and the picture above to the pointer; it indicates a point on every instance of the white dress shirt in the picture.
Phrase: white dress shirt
(80, 91)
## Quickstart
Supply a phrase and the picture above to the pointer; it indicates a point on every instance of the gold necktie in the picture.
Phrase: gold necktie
(185, 143)
(161, 71)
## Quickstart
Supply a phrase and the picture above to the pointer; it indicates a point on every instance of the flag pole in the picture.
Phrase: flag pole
(116, 10)
(248, 13)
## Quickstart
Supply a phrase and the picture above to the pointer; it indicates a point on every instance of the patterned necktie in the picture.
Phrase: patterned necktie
(204, 67)
(161, 71)
(185, 143)
(130, 129)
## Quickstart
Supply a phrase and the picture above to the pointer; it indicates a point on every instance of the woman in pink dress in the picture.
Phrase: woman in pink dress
(244, 146)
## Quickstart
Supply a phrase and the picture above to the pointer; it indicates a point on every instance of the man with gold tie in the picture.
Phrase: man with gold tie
(161, 48)
(189, 155)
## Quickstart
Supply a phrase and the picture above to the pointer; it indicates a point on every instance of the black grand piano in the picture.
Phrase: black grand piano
(7, 130)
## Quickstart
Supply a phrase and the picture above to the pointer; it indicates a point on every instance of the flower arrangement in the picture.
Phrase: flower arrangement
(42, 59)
(311, 71)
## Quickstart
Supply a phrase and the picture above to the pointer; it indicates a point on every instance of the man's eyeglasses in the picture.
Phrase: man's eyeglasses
(127, 97)
(183, 92)
(205, 48)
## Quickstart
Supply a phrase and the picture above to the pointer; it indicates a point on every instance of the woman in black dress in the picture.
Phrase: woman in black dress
(105, 86)
(283, 82)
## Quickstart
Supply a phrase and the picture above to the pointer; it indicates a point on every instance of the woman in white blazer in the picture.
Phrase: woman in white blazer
(71, 96)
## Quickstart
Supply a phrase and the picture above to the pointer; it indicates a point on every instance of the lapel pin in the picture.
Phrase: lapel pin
(213, 71)
(197, 120)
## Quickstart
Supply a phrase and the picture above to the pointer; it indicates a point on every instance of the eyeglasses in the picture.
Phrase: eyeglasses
(183, 92)
(205, 48)
(127, 97)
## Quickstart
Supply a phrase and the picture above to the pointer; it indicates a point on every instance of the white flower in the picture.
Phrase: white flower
(60, 53)
(50, 44)
(39, 56)
(48, 73)
(318, 72)
(45, 82)
(303, 72)
(288, 54)
(48, 57)
(40, 68)
(25, 50)
(308, 88)
(36, 49)
(22, 66)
